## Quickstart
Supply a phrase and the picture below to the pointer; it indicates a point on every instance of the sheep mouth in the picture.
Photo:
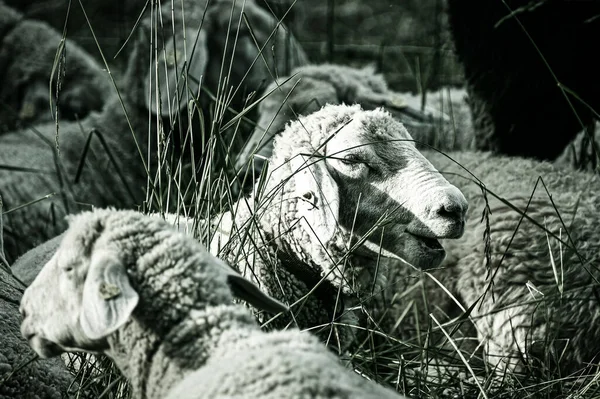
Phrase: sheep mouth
(43, 347)
(430, 243)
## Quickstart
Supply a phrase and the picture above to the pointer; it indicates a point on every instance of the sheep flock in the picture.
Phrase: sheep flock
(211, 213)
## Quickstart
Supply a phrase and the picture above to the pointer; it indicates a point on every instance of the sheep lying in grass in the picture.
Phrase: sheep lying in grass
(21, 375)
(34, 173)
(300, 243)
(345, 186)
(29, 50)
(241, 48)
(154, 300)
(532, 264)
(42, 176)
(310, 87)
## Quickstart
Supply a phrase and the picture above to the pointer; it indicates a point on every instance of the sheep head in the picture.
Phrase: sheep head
(217, 33)
(356, 175)
(104, 267)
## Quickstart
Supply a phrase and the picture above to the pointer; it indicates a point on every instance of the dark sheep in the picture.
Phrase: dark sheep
(514, 53)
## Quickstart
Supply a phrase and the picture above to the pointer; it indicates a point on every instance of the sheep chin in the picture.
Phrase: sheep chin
(415, 251)
(44, 348)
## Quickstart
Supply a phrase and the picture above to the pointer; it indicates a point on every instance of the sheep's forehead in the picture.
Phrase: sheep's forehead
(380, 135)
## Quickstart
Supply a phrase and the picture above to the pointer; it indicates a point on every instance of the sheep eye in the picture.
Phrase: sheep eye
(352, 159)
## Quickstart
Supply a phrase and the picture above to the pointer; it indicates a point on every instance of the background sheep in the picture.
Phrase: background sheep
(36, 65)
(41, 179)
(234, 57)
(21, 374)
(339, 178)
(531, 265)
(513, 64)
(38, 175)
(161, 306)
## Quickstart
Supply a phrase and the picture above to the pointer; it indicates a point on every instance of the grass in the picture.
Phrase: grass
(435, 357)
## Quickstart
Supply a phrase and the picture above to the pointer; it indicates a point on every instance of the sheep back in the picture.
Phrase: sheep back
(513, 64)
(523, 304)
(275, 365)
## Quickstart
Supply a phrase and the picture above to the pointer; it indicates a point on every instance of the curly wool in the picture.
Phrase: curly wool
(238, 370)
(185, 326)
(512, 317)
(28, 52)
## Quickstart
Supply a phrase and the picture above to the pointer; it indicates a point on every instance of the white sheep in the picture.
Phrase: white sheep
(161, 306)
(347, 191)
(531, 264)
(443, 122)
(28, 51)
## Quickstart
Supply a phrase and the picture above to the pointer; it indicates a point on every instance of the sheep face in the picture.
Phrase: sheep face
(392, 192)
(52, 306)
(368, 179)
(86, 290)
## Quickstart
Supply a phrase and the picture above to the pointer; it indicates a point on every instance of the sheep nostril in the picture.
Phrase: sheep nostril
(451, 211)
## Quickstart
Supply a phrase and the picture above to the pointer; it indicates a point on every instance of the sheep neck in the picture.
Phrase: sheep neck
(154, 364)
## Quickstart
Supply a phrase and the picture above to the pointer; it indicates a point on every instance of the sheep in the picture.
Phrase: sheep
(43, 177)
(535, 277)
(241, 48)
(513, 65)
(21, 374)
(346, 186)
(28, 50)
(309, 87)
(154, 300)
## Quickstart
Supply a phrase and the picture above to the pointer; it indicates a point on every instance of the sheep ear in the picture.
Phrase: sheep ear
(318, 201)
(246, 290)
(173, 88)
(249, 292)
(108, 298)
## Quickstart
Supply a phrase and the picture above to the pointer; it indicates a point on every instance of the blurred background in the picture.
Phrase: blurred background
(407, 41)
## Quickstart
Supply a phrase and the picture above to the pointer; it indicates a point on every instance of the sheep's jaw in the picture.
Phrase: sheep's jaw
(43, 347)
(49, 344)
(412, 249)
(431, 252)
